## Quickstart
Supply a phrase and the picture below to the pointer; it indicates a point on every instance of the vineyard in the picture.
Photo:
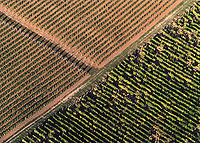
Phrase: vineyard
(94, 31)
(99, 71)
(32, 74)
(151, 96)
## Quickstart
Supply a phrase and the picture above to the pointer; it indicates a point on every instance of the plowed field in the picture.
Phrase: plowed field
(32, 73)
(94, 31)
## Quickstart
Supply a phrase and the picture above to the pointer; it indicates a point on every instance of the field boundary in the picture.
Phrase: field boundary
(142, 30)
(58, 100)
(42, 33)
(177, 12)
(45, 110)
(57, 47)
(101, 73)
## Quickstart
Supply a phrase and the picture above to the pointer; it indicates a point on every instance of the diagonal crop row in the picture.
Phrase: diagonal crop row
(151, 96)
(34, 72)
(93, 29)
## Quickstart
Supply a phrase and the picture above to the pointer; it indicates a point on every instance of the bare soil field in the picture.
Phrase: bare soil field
(92, 31)
(32, 75)
(40, 32)
(39, 114)
(149, 24)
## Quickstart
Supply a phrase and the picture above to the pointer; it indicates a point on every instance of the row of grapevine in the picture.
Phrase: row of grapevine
(135, 31)
(152, 96)
(33, 73)
(94, 29)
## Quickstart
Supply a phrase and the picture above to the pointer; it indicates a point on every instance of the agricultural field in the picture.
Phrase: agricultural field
(32, 73)
(95, 71)
(151, 96)
(94, 31)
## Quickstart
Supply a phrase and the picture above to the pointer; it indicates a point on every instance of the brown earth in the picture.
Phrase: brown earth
(90, 30)
(91, 56)
(24, 109)
(40, 32)
(142, 6)
(23, 95)
(44, 110)
(5, 83)
(141, 33)
(33, 26)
